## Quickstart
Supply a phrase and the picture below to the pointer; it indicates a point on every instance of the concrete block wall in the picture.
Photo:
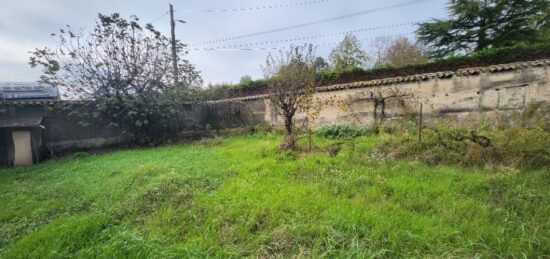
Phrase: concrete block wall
(62, 133)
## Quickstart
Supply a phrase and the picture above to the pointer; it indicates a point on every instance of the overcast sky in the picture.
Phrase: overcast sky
(27, 24)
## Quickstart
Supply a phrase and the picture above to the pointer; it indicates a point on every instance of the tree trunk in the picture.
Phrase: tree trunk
(482, 33)
(288, 125)
(289, 140)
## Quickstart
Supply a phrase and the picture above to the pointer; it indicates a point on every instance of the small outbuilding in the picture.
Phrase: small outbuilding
(20, 140)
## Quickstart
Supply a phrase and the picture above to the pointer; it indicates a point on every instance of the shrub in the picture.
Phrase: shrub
(536, 115)
(524, 147)
(444, 143)
(339, 131)
(257, 130)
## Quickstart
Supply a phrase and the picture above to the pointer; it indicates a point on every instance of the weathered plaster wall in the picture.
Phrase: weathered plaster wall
(464, 96)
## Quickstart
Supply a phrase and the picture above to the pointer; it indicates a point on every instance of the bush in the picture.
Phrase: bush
(338, 131)
(536, 115)
(524, 147)
(226, 90)
(519, 147)
(257, 130)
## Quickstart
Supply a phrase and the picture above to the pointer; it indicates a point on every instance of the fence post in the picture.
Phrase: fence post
(420, 125)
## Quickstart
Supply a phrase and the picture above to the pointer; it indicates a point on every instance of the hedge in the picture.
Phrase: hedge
(486, 57)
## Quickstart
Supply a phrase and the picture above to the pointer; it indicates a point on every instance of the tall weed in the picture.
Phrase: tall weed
(518, 140)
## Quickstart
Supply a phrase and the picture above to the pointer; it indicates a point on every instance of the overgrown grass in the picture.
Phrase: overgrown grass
(518, 140)
(240, 197)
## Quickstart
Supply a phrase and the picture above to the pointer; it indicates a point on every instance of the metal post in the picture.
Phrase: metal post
(420, 125)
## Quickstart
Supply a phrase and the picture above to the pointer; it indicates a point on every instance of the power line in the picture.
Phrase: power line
(332, 19)
(257, 8)
(160, 17)
(263, 48)
(307, 37)
(285, 47)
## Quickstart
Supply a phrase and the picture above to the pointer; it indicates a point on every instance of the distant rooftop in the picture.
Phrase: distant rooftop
(27, 90)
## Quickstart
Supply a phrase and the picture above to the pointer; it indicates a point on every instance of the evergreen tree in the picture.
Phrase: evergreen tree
(474, 25)
(320, 64)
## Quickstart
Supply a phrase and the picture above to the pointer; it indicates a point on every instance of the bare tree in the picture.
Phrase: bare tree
(124, 71)
(403, 52)
(291, 79)
(378, 47)
(396, 52)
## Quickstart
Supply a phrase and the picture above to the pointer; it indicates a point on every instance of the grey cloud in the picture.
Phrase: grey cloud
(27, 24)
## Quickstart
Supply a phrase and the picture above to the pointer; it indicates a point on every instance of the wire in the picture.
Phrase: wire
(332, 19)
(257, 8)
(286, 47)
(260, 49)
(158, 18)
(308, 37)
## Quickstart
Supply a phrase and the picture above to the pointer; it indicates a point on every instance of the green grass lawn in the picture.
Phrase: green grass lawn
(240, 197)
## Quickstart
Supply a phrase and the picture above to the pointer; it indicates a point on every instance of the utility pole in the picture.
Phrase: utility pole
(174, 50)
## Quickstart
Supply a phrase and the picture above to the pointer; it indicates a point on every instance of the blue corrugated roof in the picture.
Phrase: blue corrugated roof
(27, 90)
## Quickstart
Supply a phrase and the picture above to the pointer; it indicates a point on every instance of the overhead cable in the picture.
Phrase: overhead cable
(326, 20)
(284, 47)
(307, 37)
(158, 18)
(257, 8)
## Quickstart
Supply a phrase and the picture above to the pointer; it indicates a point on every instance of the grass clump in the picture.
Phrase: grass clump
(342, 131)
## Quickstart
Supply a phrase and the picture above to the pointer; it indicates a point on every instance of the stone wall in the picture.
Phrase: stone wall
(464, 96)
